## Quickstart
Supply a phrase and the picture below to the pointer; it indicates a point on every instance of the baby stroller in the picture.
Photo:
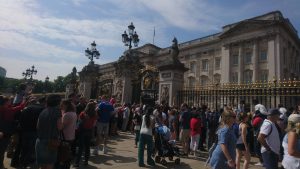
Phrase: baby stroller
(164, 147)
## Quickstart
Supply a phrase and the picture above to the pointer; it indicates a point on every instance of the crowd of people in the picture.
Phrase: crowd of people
(32, 130)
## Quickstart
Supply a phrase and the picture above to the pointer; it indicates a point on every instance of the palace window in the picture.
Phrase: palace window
(192, 82)
(248, 76)
(264, 75)
(248, 57)
(235, 59)
(193, 67)
(217, 78)
(234, 77)
(217, 63)
(205, 65)
(204, 80)
(263, 55)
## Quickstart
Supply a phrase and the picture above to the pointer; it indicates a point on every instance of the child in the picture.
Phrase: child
(137, 120)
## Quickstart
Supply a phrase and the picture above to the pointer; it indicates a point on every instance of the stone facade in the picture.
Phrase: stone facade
(256, 49)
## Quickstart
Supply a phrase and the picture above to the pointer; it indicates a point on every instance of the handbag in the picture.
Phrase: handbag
(53, 144)
(64, 150)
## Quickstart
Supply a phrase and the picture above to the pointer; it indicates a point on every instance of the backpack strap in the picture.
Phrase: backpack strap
(270, 130)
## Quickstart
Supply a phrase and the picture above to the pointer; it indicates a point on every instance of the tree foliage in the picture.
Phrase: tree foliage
(10, 85)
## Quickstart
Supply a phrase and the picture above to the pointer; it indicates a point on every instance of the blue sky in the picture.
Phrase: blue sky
(53, 34)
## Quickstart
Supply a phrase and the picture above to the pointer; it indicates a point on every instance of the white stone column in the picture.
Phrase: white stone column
(127, 89)
(241, 64)
(255, 61)
(225, 69)
(277, 56)
(272, 55)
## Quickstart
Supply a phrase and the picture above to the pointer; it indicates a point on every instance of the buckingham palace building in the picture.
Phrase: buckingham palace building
(262, 49)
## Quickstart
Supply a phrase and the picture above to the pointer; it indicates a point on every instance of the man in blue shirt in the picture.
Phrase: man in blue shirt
(104, 111)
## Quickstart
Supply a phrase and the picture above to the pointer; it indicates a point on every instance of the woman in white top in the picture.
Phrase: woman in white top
(291, 143)
(146, 138)
(69, 119)
(242, 147)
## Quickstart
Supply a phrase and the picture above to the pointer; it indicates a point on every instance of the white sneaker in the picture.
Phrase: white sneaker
(258, 164)
(95, 151)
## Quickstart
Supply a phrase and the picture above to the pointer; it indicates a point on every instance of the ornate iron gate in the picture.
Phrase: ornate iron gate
(270, 94)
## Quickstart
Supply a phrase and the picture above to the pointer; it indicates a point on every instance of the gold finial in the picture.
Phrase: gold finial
(290, 82)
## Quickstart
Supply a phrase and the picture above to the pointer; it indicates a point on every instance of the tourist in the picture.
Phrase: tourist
(195, 124)
(87, 121)
(28, 122)
(104, 110)
(291, 143)
(173, 124)
(203, 114)
(146, 138)
(223, 157)
(69, 119)
(126, 112)
(269, 138)
(184, 119)
(242, 146)
(212, 126)
(81, 105)
(137, 121)
(48, 128)
(7, 126)
(259, 115)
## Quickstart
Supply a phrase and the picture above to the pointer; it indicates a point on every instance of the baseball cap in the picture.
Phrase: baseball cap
(273, 111)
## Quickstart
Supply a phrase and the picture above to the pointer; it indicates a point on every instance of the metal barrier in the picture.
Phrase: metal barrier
(268, 93)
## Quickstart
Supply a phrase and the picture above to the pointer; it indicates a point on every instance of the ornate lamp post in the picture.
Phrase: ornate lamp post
(46, 84)
(29, 72)
(32, 71)
(92, 53)
(131, 37)
(26, 74)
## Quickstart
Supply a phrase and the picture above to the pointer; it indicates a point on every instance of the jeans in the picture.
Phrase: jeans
(3, 145)
(27, 153)
(270, 160)
(145, 140)
(137, 136)
(85, 137)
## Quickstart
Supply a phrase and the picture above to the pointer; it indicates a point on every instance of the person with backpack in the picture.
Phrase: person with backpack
(270, 140)
(223, 155)
(87, 121)
(242, 147)
(260, 115)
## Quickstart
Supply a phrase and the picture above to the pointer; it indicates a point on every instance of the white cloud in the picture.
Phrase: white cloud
(42, 32)
(78, 2)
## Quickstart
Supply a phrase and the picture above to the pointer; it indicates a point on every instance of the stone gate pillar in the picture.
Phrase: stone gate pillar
(88, 77)
(127, 87)
(171, 81)
(127, 70)
(171, 75)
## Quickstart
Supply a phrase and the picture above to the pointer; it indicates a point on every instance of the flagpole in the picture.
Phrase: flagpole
(153, 35)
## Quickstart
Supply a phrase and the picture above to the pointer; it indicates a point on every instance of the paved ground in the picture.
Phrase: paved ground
(122, 154)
